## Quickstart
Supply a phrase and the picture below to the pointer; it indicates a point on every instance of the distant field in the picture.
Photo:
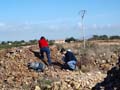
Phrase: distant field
(110, 42)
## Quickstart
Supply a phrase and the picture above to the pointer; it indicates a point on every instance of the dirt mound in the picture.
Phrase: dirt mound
(15, 75)
(14, 71)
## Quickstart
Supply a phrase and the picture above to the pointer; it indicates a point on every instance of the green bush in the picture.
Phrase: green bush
(70, 39)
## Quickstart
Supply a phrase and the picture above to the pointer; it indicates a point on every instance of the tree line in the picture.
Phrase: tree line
(95, 37)
(104, 37)
(8, 44)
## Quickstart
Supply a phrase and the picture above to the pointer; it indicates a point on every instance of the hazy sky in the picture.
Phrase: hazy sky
(57, 19)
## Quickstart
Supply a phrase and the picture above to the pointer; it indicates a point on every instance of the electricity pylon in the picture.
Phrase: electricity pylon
(82, 14)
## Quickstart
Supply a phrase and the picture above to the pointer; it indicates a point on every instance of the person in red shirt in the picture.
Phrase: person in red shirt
(44, 48)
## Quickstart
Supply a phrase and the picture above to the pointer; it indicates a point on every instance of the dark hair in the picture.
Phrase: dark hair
(62, 50)
(42, 37)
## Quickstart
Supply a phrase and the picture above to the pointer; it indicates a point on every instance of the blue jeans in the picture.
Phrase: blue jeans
(72, 64)
(47, 51)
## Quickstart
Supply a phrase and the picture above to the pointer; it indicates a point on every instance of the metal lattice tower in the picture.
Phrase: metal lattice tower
(82, 14)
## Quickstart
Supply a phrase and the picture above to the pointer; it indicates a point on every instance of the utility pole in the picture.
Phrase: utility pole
(82, 14)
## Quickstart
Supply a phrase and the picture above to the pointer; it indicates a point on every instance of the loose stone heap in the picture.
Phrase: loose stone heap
(15, 75)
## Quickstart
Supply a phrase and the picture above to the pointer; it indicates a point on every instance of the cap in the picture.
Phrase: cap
(69, 50)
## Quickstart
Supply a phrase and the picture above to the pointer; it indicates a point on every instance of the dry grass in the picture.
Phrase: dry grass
(95, 54)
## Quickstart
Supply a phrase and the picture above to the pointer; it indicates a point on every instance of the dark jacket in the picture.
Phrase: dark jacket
(69, 56)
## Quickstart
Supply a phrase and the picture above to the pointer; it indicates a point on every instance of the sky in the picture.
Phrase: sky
(58, 19)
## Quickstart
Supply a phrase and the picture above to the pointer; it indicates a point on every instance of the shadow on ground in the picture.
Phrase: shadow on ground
(37, 54)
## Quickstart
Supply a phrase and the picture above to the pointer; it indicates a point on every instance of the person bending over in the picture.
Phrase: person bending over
(44, 47)
(69, 59)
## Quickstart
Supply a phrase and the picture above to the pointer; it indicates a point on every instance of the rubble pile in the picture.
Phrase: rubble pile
(111, 81)
(15, 75)
(78, 81)
(13, 70)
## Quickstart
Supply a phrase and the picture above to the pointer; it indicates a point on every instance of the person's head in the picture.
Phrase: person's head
(42, 37)
(62, 51)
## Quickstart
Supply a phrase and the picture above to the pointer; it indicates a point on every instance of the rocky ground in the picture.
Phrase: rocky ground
(15, 75)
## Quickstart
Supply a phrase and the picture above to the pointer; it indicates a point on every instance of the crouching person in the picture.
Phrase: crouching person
(69, 59)
(37, 66)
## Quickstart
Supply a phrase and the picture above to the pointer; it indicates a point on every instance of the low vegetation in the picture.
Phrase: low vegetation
(9, 44)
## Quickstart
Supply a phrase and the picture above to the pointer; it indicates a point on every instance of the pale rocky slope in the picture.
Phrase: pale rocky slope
(15, 75)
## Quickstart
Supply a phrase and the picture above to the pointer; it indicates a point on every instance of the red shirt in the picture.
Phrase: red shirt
(43, 43)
